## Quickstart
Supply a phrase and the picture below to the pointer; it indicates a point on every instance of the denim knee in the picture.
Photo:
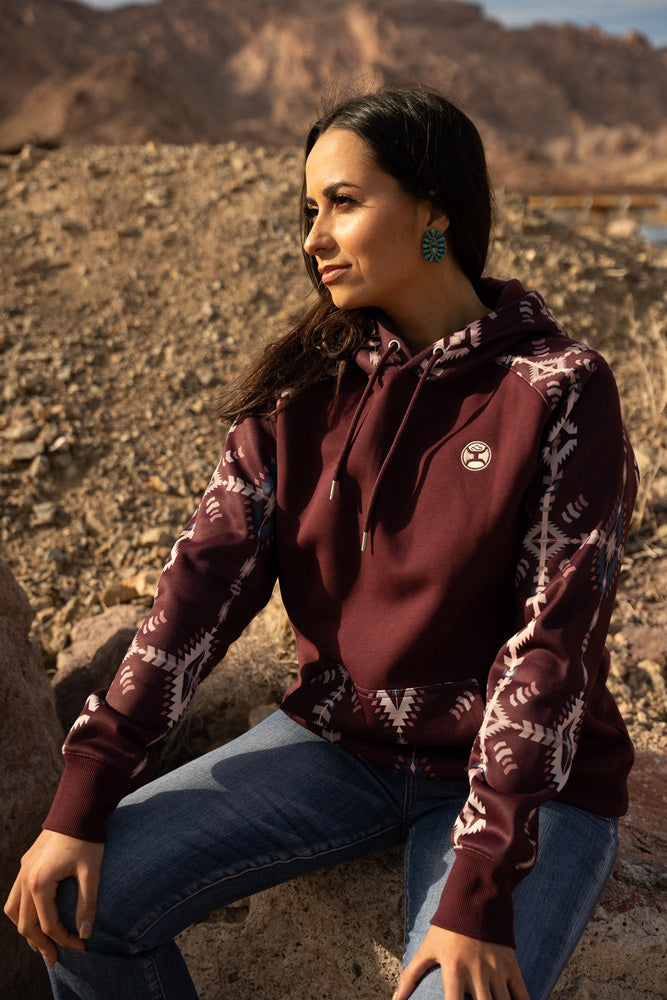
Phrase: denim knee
(102, 938)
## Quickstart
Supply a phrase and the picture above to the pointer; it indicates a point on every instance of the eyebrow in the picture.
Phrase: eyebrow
(331, 190)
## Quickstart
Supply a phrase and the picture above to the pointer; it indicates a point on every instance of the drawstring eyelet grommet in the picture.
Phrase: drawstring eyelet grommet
(434, 246)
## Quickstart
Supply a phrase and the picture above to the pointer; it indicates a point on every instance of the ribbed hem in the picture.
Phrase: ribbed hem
(88, 793)
(477, 900)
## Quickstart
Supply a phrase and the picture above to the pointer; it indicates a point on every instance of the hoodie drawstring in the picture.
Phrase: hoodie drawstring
(423, 379)
(392, 346)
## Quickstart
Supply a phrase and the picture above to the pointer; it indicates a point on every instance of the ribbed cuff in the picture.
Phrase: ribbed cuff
(477, 900)
(87, 795)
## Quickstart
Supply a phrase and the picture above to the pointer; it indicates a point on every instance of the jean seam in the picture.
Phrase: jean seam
(408, 803)
(155, 981)
(297, 857)
(407, 922)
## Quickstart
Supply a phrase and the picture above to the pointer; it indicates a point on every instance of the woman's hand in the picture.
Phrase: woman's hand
(31, 904)
(485, 971)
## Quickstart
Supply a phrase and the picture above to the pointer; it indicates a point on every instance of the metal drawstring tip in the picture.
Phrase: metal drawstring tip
(364, 539)
(334, 484)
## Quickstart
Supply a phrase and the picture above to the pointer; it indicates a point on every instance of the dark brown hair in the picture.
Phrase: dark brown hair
(434, 151)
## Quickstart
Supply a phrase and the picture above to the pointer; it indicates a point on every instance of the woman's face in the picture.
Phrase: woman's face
(366, 230)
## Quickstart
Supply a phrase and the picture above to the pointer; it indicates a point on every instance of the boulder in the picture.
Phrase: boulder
(624, 949)
(30, 766)
(332, 935)
(338, 934)
(97, 646)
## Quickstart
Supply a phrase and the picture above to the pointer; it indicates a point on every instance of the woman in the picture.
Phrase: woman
(441, 481)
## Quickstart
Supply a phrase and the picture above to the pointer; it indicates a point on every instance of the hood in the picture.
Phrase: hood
(515, 314)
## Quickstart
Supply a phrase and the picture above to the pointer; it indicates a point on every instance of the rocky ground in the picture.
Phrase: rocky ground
(135, 280)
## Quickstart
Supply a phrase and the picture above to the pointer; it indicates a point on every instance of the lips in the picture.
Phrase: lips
(331, 272)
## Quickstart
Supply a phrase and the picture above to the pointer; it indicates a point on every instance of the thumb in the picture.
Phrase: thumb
(88, 877)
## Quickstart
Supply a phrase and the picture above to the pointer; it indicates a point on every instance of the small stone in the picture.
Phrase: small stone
(157, 536)
(57, 557)
(60, 445)
(39, 467)
(118, 593)
(621, 229)
(24, 432)
(157, 197)
(26, 451)
(143, 583)
(158, 484)
(45, 513)
(95, 523)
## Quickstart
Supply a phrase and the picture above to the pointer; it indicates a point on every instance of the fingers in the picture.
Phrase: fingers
(22, 911)
(38, 918)
(471, 967)
(412, 973)
(89, 879)
(27, 924)
(518, 987)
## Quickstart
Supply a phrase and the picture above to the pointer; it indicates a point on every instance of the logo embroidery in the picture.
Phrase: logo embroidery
(476, 455)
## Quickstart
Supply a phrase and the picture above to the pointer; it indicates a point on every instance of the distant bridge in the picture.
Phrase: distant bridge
(649, 209)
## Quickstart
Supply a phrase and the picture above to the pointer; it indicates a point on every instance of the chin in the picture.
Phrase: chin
(348, 302)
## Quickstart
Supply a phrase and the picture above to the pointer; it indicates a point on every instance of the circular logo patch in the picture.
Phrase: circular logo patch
(476, 456)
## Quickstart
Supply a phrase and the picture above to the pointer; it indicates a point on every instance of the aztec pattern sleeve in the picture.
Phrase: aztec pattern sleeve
(544, 674)
(220, 573)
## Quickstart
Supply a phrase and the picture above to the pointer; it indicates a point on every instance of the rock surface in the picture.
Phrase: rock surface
(97, 646)
(580, 110)
(30, 766)
(624, 949)
(333, 935)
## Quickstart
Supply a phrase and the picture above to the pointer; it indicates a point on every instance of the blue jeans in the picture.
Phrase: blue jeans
(279, 802)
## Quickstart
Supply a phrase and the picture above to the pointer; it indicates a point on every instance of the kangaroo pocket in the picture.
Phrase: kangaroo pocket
(429, 717)
(448, 714)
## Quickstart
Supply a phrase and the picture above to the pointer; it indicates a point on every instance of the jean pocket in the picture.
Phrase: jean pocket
(430, 715)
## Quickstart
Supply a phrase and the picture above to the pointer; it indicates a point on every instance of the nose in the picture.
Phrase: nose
(319, 238)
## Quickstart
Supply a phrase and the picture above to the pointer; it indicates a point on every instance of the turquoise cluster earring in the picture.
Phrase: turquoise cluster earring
(434, 246)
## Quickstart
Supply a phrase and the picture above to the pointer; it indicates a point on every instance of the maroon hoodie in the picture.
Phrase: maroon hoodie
(448, 541)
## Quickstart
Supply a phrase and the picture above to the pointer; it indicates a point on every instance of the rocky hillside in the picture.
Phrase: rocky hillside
(560, 108)
(135, 280)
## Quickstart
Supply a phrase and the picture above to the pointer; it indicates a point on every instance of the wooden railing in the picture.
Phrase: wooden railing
(645, 208)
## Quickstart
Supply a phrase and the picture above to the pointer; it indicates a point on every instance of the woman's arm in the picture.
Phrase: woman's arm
(220, 573)
(548, 674)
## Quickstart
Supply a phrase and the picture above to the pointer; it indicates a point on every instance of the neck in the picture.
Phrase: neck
(448, 306)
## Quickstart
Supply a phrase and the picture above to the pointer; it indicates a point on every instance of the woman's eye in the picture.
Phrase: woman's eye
(338, 201)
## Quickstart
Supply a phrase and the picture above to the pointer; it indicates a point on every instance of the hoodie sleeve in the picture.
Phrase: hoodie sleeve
(220, 573)
(543, 676)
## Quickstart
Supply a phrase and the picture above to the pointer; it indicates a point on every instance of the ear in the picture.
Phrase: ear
(437, 217)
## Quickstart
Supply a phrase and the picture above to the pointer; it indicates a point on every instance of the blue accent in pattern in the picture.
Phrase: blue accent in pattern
(607, 567)
(263, 525)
